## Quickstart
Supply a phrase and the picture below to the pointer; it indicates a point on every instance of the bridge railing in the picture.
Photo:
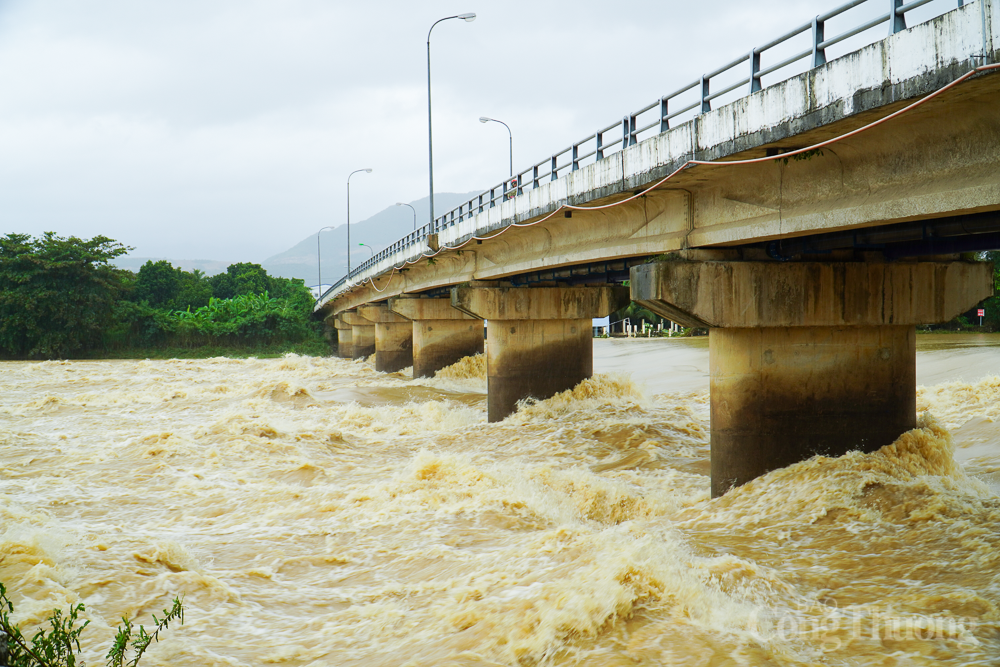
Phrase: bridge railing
(747, 72)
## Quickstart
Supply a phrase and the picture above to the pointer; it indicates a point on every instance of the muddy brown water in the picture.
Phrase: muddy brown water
(316, 512)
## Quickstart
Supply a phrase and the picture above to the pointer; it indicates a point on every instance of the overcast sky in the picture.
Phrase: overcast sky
(225, 129)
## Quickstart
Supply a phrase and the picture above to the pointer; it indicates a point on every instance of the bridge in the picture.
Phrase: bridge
(809, 222)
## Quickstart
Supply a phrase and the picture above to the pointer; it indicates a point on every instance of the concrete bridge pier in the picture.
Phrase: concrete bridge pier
(345, 346)
(362, 334)
(807, 358)
(393, 337)
(441, 334)
(540, 338)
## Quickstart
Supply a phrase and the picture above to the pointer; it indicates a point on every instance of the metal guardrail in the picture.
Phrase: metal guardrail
(624, 133)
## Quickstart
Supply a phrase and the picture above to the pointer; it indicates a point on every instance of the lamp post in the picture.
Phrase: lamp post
(399, 203)
(485, 119)
(468, 17)
(367, 171)
(369, 248)
(319, 266)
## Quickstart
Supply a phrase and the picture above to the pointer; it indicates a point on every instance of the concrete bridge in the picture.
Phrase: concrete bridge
(810, 224)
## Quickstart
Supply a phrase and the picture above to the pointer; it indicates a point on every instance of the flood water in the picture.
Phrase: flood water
(316, 512)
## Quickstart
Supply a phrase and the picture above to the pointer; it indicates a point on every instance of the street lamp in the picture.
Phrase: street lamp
(468, 17)
(319, 267)
(399, 203)
(356, 171)
(369, 249)
(484, 119)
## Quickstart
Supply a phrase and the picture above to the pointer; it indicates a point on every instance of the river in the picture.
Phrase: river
(312, 511)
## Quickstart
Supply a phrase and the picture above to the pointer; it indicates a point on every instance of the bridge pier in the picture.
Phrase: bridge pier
(807, 358)
(345, 347)
(441, 334)
(393, 337)
(540, 338)
(362, 334)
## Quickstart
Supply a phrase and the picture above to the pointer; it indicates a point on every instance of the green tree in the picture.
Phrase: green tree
(294, 291)
(164, 286)
(56, 294)
(194, 291)
(157, 284)
(240, 278)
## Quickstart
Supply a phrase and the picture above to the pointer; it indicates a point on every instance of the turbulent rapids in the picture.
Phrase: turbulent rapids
(312, 511)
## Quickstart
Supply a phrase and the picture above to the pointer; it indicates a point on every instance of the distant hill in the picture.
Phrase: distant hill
(377, 232)
(209, 266)
(299, 261)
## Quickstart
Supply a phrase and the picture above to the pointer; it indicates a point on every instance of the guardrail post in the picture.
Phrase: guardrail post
(534, 177)
(664, 123)
(632, 139)
(897, 22)
(493, 197)
(576, 158)
(705, 104)
(819, 55)
(754, 69)
(624, 132)
(555, 174)
(600, 145)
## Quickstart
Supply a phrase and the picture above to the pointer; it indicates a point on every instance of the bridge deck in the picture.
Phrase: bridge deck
(937, 160)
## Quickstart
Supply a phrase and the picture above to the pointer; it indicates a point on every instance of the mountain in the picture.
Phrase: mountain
(209, 266)
(377, 232)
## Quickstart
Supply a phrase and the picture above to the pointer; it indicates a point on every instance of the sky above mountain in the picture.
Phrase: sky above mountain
(227, 129)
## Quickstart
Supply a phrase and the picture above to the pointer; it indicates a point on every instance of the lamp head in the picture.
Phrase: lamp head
(399, 203)
(484, 119)
(470, 17)
(368, 171)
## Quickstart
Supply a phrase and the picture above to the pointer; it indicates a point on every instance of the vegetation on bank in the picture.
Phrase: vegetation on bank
(63, 297)
(59, 645)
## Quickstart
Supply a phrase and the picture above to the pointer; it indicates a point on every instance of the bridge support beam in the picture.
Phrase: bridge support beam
(362, 334)
(345, 347)
(393, 337)
(807, 358)
(540, 338)
(441, 334)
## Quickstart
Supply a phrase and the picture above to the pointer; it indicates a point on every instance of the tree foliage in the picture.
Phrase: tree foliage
(241, 278)
(61, 297)
(243, 307)
(57, 295)
(162, 285)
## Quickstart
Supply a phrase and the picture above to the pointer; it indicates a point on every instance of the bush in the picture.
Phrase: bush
(60, 645)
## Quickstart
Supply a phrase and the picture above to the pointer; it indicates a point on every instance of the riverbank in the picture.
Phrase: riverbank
(317, 348)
